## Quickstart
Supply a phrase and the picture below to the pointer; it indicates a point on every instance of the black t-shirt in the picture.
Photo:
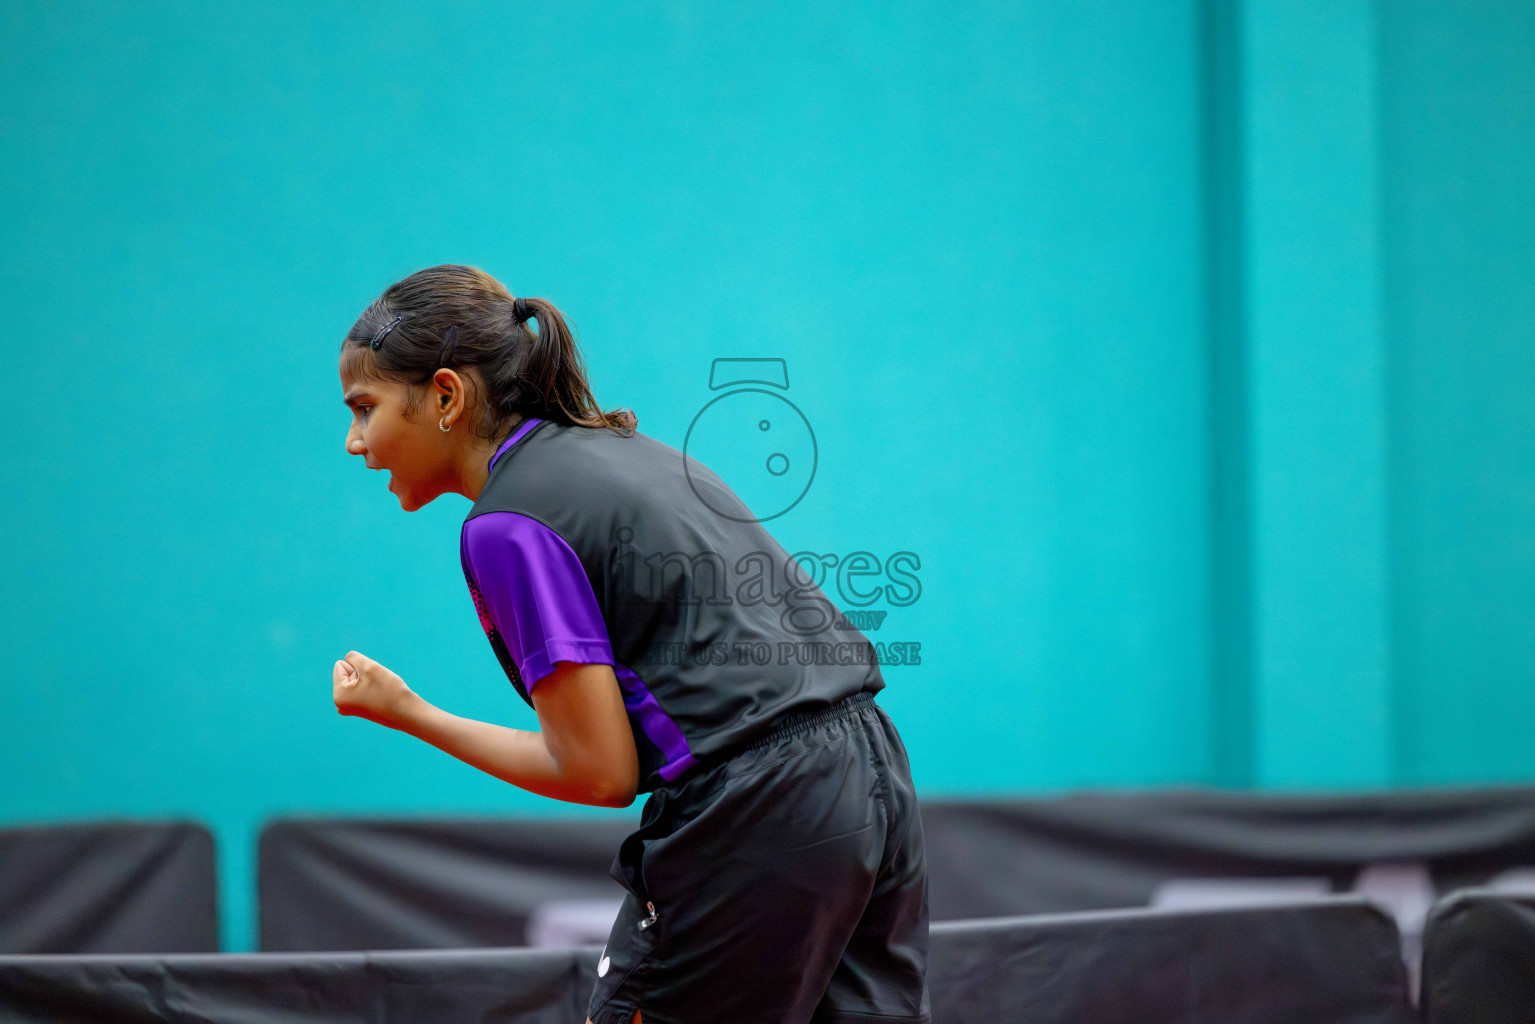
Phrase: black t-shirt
(588, 546)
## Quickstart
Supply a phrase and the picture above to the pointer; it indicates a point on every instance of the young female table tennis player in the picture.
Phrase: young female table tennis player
(777, 874)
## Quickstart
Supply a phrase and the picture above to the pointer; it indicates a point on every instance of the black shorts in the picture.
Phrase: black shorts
(784, 884)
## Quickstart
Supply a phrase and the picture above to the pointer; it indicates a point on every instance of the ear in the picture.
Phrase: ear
(461, 385)
(449, 387)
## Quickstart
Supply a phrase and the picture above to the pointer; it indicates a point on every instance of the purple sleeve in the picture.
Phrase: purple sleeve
(537, 594)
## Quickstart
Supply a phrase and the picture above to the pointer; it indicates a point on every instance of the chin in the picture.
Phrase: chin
(408, 503)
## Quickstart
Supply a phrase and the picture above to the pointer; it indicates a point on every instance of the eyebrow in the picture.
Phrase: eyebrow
(353, 394)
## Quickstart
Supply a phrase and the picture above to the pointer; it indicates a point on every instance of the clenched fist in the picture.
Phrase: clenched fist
(361, 686)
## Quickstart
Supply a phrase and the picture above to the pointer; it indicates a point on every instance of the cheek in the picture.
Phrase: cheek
(378, 440)
(383, 438)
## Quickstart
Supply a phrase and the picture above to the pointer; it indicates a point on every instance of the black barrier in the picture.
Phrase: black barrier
(519, 986)
(1479, 959)
(1328, 962)
(1098, 851)
(109, 887)
(1331, 961)
(339, 884)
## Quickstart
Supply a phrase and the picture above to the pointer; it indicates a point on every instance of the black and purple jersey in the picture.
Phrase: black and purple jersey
(588, 546)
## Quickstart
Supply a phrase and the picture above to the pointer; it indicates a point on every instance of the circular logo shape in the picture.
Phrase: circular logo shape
(761, 444)
(602, 967)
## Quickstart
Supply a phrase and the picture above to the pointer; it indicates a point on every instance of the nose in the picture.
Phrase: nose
(354, 445)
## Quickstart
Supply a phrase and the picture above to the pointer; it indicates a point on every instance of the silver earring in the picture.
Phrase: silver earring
(442, 425)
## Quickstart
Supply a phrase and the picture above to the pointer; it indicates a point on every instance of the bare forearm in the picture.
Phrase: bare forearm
(512, 755)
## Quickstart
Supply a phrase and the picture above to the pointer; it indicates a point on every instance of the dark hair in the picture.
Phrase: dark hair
(525, 373)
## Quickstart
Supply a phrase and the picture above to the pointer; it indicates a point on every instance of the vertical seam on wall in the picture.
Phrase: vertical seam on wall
(1232, 757)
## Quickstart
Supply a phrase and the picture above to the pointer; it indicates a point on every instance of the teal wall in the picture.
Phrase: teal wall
(1188, 346)
(1458, 217)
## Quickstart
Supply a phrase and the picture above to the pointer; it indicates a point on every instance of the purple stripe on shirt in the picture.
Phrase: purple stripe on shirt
(663, 731)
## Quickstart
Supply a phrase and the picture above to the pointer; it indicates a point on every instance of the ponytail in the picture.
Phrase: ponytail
(552, 382)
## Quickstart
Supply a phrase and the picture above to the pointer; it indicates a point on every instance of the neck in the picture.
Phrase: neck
(475, 469)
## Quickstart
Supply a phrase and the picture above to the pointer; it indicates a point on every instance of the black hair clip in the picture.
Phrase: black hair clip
(447, 345)
(378, 339)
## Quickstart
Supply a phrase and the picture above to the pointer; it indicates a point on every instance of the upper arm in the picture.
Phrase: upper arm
(541, 602)
(586, 729)
(536, 593)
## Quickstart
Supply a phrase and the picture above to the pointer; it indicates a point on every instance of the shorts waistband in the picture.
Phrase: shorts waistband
(788, 725)
(799, 721)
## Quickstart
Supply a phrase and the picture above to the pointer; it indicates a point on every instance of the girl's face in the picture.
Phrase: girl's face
(418, 456)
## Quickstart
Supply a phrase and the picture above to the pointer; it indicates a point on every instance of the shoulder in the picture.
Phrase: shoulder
(559, 467)
(497, 534)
